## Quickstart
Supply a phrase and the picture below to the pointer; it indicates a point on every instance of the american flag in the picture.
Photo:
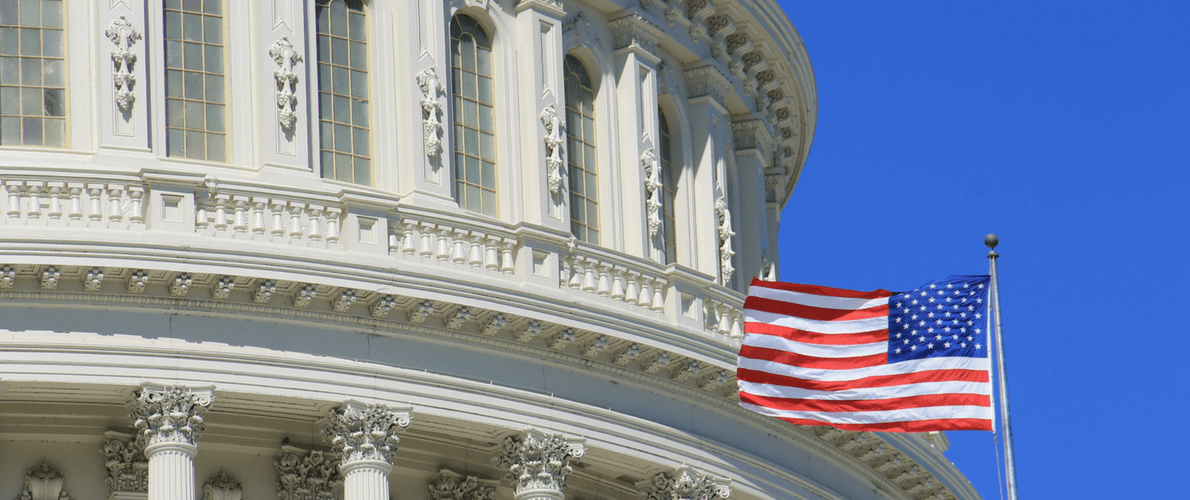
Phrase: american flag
(912, 361)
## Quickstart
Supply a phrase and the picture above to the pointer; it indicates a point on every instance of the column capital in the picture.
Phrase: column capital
(365, 432)
(538, 463)
(684, 483)
(165, 414)
(305, 475)
(634, 32)
(450, 485)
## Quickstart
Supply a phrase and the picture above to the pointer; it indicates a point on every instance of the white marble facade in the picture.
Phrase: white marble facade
(411, 249)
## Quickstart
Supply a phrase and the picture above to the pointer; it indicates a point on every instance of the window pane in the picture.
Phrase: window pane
(358, 30)
(194, 87)
(55, 102)
(192, 27)
(195, 116)
(53, 73)
(31, 130)
(363, 171)
(214, 88)
(214, 59)
(9, 14)
(30, 13)
(216, 147)
(10, 71)
(359, 84)
(10, 130)
(174, 114)
(360, 142)
(359, 56)
(30, 42)
(215, 117)
(212, 6)
(193, 56)
(196, 145)
(10, 100)
(173, 25)
(359, 113)
(214, 30)
(51, 14)
(55, 133)
(10, 41)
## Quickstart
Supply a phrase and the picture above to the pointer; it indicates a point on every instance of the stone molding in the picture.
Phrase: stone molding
(286, 80)
(708, 80)
(306, 475)
(431, 86)
(44, 482)
(555, 138)
(169, 414)
(684, 483)
(127, 467)
(726, 248)
(365, 432)
(222, 486)
(450, 485)
(537, 461)
(123, 35)
(634, 30)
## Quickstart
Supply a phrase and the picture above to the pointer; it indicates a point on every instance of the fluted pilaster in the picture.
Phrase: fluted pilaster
(169, 421)
(538, 463)
(365, 436)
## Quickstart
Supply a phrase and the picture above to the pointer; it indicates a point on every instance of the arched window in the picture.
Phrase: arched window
(474, 115)
(343, 91)
(580, 130)
(669, 183)
(195, 102)
(32, 74)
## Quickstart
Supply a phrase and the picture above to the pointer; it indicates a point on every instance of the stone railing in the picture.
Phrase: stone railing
(595, 271)
(72, 202)
(724, 312)
(225, 213)
(415, 236)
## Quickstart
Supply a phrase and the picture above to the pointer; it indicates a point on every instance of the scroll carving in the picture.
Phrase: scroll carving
(222, 486)
(127, 467)
(44, 482)
(726, 252)
(536, 461)
(553, 147)
(685, 484)
(286, 57)
(123, 35)
(311, 476)
(653, 187)
(431, 107)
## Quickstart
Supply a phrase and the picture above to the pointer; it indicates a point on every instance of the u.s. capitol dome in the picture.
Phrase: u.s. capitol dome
(463, 249)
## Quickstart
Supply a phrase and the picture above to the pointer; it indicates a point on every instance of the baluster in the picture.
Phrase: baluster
(476, 250)
(658, 296)
(55, 203)
(115, 195)
(76, 203)
(34, 191)
(407, 246)
(278, 219)
(507, 265)
(315, 223)
(96, 194)
(394, 240)
(258, 208)
(460, 250)
(221, 212)
(201, 216)
(426, 230)
(724, 318)
(492, 254)
(333, 216)
(240, 224)
(632, 294)
(605, 283)
(737, 331)
(443, 243)
(295, 221)
(590, 267)
(618, 284)
(136, 213)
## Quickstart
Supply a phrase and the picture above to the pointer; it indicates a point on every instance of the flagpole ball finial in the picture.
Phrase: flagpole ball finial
(991, 241)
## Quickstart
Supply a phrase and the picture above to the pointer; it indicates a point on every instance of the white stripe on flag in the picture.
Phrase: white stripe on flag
(870, 417)
(816, 350)
(886, 392)
(903, 367)
(823, 301)
(817, 326)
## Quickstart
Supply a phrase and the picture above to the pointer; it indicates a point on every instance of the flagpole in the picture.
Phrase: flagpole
(1005, 420)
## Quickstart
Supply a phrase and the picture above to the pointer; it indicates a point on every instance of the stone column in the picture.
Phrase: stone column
(365, 436)
(170, 421)
(538, 463)
(684, 483)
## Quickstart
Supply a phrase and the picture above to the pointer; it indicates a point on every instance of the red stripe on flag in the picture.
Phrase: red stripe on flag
(759, 377)
(823, 290)
(804, 361)
(943, 424)
(815, 338)
(811, 312)
(863, 405)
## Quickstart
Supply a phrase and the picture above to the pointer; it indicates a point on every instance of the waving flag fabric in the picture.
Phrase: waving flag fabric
(912, 361)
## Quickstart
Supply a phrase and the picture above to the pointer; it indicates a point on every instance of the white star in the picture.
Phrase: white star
(981, 285)
(954, 337)
(962, 330)
(965, 285)
(906, 296)
(946, 345)
(912, 348)
(933, 286)
(977, 347)
(950, 285)
(930, 345)
(923, 293)
(964, 344)
(969, 337)
(913, 317)
(922, 323)
(914, 301)
(930, 315)
(928, 330)
(898, 319)
(906, 341)
(947, 329)
(938, 322)
(937, 337)
(941, 292)
(931, 299)
(977, 315)
(898, 335)
(977, 331)
(898, 350)
(979, 301)
(921, 339)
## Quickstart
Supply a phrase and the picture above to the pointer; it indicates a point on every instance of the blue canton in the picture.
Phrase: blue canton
(946, 317)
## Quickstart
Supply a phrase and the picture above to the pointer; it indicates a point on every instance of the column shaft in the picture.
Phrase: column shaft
(171, 471)
(366, 480)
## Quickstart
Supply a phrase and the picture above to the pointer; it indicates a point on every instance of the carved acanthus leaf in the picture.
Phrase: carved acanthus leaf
(44, 482)
(554, 139)
(311, 476)
(360, 431)
(431, 107)
(286, 79)
(123, 35)
(653, 188)
(538, 461)
(685, 483)
(169, 414)
(127, 467)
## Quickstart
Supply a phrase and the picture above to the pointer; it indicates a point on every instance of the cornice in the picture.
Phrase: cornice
(635, 31)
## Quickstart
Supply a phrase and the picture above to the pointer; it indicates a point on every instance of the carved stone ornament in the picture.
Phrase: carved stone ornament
(123, 35)
(365, 432)
(635, 30)
(653, 188)
(311, 476)
(286, 79)
(127, 467)
(222, 486)
(685, 484)
(726, 252)
(431, 107)
(169, 414)
(450, 485)
(44, 482)
(584, 30)
(537, 461)
(554, 138)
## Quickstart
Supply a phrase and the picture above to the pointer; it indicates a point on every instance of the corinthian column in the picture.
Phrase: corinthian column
(684, 483)
(170, 420)
(538, 463)
(366, 437)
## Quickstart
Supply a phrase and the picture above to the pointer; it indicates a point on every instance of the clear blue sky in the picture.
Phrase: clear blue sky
(1065, 128)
